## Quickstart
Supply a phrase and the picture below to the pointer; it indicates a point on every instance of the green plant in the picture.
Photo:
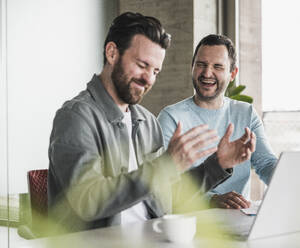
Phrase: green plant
(234, 91)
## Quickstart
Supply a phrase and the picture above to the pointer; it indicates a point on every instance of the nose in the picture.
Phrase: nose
(207, 71)
(149, 77)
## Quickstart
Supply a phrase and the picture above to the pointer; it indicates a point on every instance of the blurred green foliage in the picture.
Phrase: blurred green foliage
(233, 91)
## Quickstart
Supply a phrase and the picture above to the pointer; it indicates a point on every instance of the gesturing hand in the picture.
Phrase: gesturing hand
(235, 152)
(188, 148)
(229, 200)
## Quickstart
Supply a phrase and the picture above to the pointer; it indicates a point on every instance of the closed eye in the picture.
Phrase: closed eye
(141, 65)
(219, 67)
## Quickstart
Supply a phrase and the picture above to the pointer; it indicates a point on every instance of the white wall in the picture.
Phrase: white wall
(3, 100)
(54, 47)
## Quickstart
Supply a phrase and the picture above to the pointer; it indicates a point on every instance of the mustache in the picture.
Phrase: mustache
(140, 81)
(200, 78)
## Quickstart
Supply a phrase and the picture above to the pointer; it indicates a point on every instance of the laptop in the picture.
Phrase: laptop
(279, 212)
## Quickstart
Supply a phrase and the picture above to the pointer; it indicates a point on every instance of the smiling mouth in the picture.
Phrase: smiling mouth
(138, 85)
(139, 82)
(208, 83)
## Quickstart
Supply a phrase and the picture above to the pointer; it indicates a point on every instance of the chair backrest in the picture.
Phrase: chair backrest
(37, 183)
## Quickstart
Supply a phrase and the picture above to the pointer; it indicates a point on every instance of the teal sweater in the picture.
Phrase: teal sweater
(242, 115)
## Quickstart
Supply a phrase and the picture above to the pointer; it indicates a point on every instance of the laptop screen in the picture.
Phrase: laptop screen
(279, 212)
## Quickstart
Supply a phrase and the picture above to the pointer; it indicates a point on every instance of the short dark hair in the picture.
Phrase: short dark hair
(218, 40)
(128, 24)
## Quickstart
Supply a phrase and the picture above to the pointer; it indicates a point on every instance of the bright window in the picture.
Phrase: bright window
(280, 55)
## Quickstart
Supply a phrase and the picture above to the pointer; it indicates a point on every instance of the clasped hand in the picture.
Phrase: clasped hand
(229, 200)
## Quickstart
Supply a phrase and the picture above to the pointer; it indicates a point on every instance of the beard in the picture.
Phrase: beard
(123, 85)
(219, 90)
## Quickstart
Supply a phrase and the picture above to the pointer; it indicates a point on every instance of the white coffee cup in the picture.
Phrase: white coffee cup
(176, 228)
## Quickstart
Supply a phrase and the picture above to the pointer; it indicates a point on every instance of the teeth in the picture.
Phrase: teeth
(208, 82)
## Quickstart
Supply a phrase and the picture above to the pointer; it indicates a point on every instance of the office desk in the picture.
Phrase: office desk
(142, 235)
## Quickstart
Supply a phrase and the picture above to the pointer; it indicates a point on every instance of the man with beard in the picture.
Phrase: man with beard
(213, 67)
(107, 161)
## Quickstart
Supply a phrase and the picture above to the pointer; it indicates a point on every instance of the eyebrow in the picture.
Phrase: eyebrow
(200, 61)
(205, 62)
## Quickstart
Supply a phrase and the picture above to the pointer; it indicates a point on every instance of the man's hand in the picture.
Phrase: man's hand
(235, 152)
(188, 148)
(229, 200)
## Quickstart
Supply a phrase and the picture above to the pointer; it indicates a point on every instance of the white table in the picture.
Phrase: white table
(142, 235)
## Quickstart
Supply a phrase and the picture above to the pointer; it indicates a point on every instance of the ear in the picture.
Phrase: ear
(233, 73)
(111, 52)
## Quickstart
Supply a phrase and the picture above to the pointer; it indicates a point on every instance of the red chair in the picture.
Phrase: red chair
(37, 183)
(38, 198)
(37, 187)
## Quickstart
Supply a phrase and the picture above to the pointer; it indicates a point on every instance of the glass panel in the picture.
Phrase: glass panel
(53, 50)
(3, 130)
(280, 61)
